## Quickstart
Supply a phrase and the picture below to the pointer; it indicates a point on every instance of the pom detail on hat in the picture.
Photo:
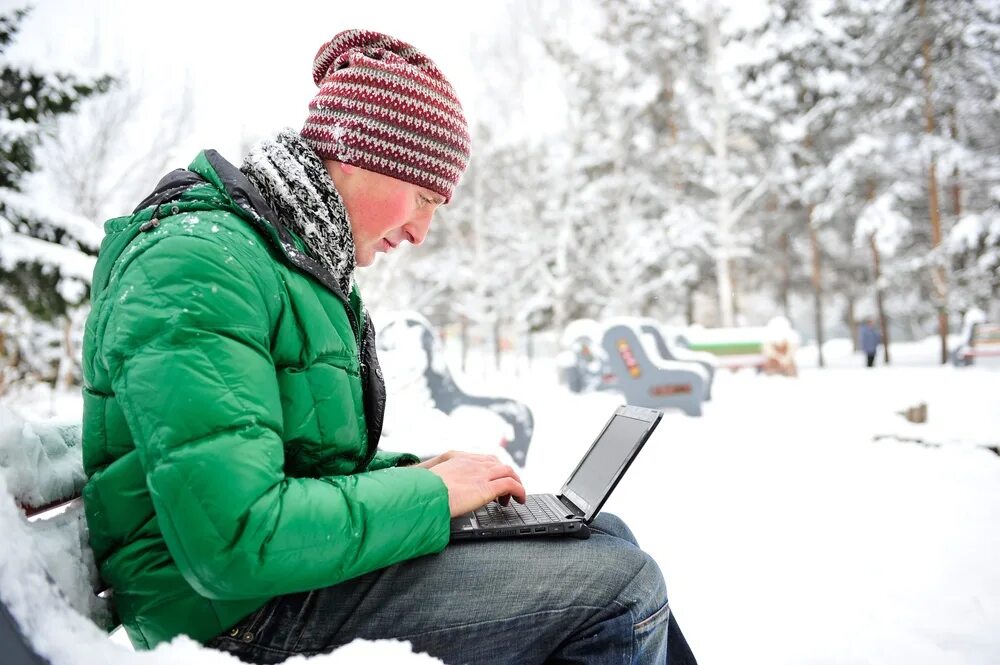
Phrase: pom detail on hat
(384, 106)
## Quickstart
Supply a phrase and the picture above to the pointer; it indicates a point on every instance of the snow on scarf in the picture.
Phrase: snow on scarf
(293, 180)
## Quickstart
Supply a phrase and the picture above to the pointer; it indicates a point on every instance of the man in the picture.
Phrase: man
(233, 405)
(869, 339)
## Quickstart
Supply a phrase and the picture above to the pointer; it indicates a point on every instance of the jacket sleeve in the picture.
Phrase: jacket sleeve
(187, 344)
(384, 459)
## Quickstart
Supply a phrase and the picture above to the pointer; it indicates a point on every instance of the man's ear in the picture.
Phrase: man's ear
(339, 171)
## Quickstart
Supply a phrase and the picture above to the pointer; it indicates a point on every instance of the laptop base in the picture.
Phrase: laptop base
(573, 529)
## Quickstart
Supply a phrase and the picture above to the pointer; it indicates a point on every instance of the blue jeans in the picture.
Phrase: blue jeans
(531, 600)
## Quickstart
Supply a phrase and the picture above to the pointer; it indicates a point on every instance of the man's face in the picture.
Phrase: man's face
(384, 212)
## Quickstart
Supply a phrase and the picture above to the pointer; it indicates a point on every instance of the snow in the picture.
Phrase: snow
(19, 248)
(40, 460)
(889, 226)
(798, 521)
(970, 230)
(777, 329)
(79, 228)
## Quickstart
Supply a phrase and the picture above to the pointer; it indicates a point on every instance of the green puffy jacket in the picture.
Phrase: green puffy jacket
(232, 409)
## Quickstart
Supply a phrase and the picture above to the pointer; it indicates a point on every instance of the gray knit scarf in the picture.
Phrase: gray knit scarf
(293, 180)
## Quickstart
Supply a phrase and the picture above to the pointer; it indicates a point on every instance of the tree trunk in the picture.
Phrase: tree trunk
(939, 277)
(464, 328)
(785, 265)
(689, 306)
(883, 323)
(852, 322)
(64, 371)
(497, 344)
(720, 146)
(817, 285)
(956, 180)
(4, 362)
(736, 301)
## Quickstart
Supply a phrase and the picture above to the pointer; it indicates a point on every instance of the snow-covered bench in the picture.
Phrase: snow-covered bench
(652, 383)
(744, 346)
(42, 468)
(583, 365)
(46, 565)
(672, 351)
(981, 340)
(52, 609)
(417, 378)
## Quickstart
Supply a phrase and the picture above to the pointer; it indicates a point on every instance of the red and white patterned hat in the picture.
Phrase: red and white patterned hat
(385, 106)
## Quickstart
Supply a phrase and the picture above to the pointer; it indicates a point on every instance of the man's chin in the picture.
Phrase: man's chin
(363, 261)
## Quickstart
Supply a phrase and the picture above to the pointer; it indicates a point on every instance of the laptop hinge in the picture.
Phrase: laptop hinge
(569, 504)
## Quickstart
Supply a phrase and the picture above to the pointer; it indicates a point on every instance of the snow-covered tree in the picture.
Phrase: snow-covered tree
(103, 159)
(794, 75)
(920, 156)
(805, 177)
(46, 255)
(636, 149)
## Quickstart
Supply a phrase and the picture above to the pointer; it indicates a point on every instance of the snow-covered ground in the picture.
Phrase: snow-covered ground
(799, 521)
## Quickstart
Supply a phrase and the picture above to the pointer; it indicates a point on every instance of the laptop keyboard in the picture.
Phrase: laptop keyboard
(534, 511)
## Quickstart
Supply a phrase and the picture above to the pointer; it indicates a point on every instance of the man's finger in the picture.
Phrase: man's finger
(509, 486)
(502, 471)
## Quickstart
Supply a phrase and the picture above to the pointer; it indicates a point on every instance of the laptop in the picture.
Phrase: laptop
(571, 511)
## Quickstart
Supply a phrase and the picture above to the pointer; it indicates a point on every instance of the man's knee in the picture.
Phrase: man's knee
(624, 575)
(647, 590)
(612, 525)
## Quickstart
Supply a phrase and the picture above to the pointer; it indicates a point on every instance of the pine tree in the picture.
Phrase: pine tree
(919, 170)
(46, 256)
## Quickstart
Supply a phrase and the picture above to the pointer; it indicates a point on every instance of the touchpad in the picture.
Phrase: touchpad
(461, 523)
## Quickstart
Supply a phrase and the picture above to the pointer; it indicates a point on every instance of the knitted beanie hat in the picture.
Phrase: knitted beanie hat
(384, 106)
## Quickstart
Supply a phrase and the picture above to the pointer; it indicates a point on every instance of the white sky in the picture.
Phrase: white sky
(249, 64)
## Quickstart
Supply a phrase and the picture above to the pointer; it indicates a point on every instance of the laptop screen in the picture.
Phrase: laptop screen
(604, 464)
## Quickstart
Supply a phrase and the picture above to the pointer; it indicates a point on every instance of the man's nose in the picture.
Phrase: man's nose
(418, 228)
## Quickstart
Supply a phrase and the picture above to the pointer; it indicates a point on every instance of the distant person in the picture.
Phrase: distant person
(869, 339)
(233, 405)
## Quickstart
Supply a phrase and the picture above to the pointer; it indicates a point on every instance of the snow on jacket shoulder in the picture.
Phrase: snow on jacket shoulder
(226, 441)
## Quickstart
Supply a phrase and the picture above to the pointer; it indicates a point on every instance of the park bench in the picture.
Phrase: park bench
(414, 367)
(982, 341)
(583, 365)
(673, 351)
(659, 384)
(46, 549)
(768, 349)
(733, 348)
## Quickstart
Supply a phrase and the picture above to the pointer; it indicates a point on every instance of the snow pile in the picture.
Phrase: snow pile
(41, 462)
(62, 546)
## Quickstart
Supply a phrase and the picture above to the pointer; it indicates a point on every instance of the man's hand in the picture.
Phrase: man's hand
(475, 480)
